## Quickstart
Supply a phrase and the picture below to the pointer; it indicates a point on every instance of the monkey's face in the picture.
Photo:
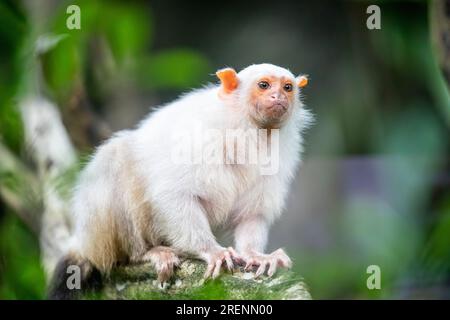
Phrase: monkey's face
(271, 100)
(266, 94)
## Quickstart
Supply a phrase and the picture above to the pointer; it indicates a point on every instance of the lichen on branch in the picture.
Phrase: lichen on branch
(139, 282)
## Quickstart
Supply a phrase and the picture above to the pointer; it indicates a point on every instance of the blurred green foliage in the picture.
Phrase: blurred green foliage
(114, 42)
(177, 69)
(21, 274)
(12, 34)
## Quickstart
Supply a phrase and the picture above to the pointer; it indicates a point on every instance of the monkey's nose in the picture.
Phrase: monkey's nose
(278, 101)
(274, 96)
(277, 97)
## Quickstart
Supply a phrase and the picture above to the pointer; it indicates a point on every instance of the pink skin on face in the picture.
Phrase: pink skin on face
(271, 99)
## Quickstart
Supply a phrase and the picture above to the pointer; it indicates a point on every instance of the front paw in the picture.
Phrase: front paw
(217, 258)
(262, 262)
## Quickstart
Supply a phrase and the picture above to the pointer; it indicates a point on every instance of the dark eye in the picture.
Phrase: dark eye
(263, 85)
(288, 87)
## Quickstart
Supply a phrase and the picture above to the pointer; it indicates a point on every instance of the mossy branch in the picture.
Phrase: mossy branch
(139, 282)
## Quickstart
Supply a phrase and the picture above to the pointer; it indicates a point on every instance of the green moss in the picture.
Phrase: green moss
(139, 282)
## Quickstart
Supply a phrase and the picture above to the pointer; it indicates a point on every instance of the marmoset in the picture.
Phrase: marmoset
(141, 199)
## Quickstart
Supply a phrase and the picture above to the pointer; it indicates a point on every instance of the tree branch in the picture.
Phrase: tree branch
(89, 129)
(440, 28)
(51, 149)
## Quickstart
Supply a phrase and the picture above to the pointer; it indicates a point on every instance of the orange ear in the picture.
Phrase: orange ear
(302, 81)
(228, 78)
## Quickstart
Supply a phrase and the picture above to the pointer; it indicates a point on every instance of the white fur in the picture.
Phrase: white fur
(185, 201)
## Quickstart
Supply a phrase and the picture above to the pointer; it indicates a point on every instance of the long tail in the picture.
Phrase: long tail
(73, 277)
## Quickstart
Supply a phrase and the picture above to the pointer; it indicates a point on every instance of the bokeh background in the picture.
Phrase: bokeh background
(375, 185)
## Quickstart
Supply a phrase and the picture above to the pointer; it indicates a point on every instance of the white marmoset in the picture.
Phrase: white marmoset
(139, 199)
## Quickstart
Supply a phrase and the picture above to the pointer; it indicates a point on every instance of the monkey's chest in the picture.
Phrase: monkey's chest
(227, 192)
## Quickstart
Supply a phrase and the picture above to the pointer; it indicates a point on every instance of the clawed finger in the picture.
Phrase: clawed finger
(164, 275)
(284, 261)
(228, 261)
(217, 267)
(272, 268)
(261, 269)
(209, 270)
(267, 262)
(214, 266)
(249, 265)
(236, 257)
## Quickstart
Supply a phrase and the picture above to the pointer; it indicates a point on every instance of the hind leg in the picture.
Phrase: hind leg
(164, 260)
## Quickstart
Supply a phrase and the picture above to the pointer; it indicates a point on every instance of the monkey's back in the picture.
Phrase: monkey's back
(111, 214)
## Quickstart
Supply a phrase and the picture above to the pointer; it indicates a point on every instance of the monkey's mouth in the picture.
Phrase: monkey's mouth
(278, 106)
(276, 111)
(272, 119)
(271, 116)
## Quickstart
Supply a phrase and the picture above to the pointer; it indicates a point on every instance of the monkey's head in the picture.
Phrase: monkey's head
(266, 93)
